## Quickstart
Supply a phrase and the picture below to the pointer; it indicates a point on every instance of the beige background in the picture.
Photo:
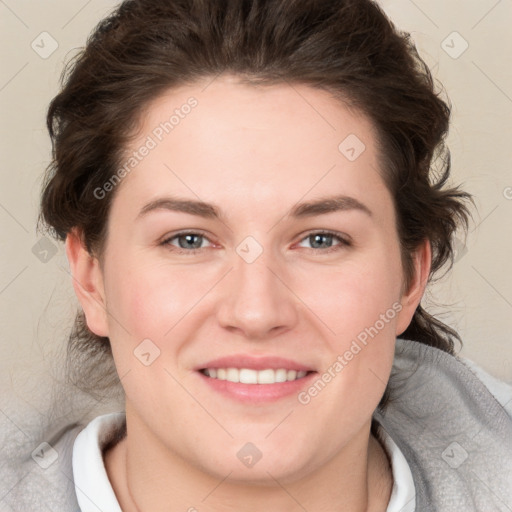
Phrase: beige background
(36, 298)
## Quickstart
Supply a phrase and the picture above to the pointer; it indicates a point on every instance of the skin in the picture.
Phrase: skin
(254, 152)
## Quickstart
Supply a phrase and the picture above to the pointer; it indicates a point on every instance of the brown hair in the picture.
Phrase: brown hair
(346, 47)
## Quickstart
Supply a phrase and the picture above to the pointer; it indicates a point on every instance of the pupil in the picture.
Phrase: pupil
(319, 236)
(188, 240)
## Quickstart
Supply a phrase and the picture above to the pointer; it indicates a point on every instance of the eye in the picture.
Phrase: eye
(189, 242)
(322, 240)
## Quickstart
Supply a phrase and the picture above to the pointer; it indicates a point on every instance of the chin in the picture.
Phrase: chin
(252, 466)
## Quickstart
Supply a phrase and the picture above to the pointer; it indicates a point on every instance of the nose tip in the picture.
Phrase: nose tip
(256, 300)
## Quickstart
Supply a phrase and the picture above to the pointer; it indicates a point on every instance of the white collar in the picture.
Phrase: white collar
(95, 494)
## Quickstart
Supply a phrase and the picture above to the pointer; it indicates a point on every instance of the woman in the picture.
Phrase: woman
(250, 211)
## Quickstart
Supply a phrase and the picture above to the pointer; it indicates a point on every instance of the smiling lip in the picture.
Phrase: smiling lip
(256, 393)
(255, 363)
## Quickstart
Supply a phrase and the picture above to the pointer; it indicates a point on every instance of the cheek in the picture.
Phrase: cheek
(145, 304)
(150, 299)
(352, 297)
(360, 313)
(360, 307)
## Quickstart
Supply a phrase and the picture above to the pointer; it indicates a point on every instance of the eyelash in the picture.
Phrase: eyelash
(343, 241)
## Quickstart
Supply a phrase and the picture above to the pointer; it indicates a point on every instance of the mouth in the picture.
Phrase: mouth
(253, 379)
(251, 376)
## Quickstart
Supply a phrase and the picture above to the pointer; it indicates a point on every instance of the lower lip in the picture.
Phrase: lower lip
(257, 393)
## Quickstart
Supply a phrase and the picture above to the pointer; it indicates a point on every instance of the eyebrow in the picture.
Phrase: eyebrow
(320, 206)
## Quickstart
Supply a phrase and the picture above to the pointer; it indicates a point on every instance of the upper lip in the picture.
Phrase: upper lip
(255, 363)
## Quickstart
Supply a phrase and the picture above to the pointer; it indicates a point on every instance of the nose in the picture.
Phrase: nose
(258, 302)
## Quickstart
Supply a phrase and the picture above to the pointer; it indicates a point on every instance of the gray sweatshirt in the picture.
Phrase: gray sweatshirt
(454, 430)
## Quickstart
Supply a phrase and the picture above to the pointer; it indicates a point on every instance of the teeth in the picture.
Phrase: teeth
(281, 375)
(249, 376)
(233, 375)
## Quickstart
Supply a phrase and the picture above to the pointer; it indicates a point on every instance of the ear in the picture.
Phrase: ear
(87, 282)
(422, 260)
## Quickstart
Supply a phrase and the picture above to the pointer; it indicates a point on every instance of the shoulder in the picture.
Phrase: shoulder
(43, 471)
(447, 391)
(500, 390)
(36, 471)
(431, 369)
(453, 423)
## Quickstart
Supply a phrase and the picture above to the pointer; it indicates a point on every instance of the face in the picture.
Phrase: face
(268, 276)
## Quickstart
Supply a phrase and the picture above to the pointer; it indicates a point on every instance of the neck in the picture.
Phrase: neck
(147, 477)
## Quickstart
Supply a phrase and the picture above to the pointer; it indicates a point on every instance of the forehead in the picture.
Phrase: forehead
(218, 140)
